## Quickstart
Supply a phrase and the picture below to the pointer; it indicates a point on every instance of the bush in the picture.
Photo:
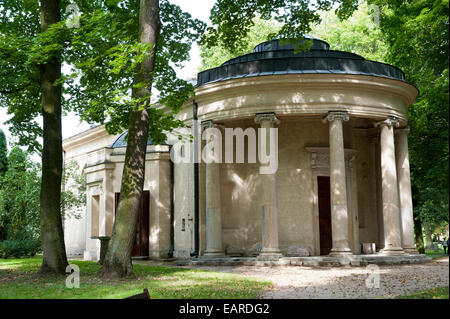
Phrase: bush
(21, 247)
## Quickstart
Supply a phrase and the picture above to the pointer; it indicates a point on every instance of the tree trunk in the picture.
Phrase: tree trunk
(419, 235)
(54, 259)
(428, 239)
(118, 257)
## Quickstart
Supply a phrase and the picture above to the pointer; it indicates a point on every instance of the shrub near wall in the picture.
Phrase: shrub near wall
(26, 246)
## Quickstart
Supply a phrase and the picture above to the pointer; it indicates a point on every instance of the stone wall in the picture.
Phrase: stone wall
(81, 149)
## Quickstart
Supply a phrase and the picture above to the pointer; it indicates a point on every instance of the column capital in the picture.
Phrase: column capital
(391, 121)
(271, 117)
(210, 124)
(402, 130)
(207, 124)
(334, 115)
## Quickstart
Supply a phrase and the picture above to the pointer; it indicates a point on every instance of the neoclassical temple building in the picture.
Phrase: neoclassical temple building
(343, 176)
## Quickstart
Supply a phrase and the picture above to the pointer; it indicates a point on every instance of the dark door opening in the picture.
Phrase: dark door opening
(323, 186)
(141, 242)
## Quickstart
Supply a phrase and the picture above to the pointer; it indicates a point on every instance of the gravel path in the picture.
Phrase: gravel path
(308, 282)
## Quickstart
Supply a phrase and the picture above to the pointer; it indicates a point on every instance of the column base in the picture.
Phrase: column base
(269, 254)
(411, 251)
(392, 251)
(90, 255)
(214, 254)
(338, 252)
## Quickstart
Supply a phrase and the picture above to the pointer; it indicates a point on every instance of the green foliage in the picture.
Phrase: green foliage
(358, 34)
(214, 56)
(73, 195)
(433, 293)
(233, 19)
(3, 153)
(19, 197)
(19, 79)
(417, 34)
(435, 254)
(104, 53)
(23, 246)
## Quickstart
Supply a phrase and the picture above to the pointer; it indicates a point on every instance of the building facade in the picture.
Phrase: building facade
(342, 175)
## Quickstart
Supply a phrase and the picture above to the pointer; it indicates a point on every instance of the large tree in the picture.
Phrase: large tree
(30, 68)
(118, 258)
(53, 248)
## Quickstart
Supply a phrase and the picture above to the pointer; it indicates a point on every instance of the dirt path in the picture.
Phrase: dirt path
(308, 282)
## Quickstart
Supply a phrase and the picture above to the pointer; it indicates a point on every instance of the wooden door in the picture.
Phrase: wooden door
(141, 242)
(323, 186)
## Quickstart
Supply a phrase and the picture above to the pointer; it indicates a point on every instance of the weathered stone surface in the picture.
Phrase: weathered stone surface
(368, 248)
(256, 249)
(299, 251)
(233, 251)
(312, 261)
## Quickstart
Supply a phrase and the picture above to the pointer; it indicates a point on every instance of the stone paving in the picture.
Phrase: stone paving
(344, 282)
(352, 260)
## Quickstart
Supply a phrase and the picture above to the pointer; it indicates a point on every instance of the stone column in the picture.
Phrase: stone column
(404, 190)
(270, 249)
(338, 187)
(213, 205)
(389, 186)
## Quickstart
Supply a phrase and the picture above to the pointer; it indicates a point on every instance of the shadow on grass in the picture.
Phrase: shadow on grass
(18, 280)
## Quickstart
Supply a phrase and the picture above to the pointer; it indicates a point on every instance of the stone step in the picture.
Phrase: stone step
(316, 261)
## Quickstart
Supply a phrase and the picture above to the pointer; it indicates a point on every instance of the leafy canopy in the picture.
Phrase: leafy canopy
(358, 34)
(105, 54)
(214, 56)
(232, 20)
(100, 57)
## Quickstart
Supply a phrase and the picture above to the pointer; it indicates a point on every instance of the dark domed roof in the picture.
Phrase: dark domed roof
(121, 141)
(277, 57)
(275, 45)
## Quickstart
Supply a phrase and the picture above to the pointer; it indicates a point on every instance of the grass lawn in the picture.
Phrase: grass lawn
(434, 293)
(435, 254)
(18, 279)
